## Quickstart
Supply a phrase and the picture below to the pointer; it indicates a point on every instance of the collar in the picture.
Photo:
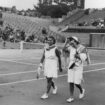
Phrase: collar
(50, 47)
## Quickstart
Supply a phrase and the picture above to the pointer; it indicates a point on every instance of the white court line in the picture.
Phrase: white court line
(18, 62)
(36, 64)
(16, 73)
(25, 72)
(93, 64)
(31, 80)
(20, 59)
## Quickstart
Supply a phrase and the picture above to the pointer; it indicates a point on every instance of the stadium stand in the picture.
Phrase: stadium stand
(73, 17)
(34, 26)
(96, 14)
(31, 26)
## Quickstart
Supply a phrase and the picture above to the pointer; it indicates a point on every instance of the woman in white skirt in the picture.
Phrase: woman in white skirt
(75, 69)
(51, 60)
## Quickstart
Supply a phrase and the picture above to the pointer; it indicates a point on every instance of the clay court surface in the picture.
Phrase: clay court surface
(19, 86)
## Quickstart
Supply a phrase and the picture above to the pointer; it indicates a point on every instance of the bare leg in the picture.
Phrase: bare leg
(71, 86)
(49, 84)
(79, 87)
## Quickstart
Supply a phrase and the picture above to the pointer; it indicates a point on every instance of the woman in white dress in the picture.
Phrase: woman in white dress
(51, 60)
(75, 69)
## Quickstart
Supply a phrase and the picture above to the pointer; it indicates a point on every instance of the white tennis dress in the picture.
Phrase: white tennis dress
(75, 75)
(51, 63)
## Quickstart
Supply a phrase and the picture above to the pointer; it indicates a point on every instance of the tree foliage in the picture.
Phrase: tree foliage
(55, 11)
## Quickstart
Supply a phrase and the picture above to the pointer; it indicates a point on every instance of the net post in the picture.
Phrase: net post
(21, 45)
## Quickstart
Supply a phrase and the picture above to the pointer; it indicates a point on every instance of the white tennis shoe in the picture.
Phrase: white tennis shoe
(55, 90)
(82, 94)
(70, 100)
(44, 96)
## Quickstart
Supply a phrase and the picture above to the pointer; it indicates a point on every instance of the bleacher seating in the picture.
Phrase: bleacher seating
(96, 14)
(29, 24)
(72, 18)
(34, 25)
(79, 16)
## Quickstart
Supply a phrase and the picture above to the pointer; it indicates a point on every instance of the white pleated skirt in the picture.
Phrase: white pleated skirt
(75, 75)
(51, 68)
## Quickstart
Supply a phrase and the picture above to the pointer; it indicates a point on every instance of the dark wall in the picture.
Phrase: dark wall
(85, 30)
(97, 40)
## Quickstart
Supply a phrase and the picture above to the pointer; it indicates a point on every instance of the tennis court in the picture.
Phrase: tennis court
(19, 86)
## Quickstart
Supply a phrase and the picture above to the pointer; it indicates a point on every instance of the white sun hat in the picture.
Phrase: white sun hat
(75, 38)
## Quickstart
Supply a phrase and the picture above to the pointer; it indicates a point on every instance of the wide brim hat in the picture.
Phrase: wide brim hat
(75, 38)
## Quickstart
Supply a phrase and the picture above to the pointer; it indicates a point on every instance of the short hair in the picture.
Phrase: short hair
(53, 38)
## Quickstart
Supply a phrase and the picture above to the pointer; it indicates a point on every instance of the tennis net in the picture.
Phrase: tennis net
(27, 45)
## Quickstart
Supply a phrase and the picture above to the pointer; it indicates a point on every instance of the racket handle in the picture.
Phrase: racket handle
(38, 72)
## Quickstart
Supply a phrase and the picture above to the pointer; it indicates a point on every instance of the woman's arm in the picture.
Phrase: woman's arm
(58, 54)
(43, 58)
(40, 65)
